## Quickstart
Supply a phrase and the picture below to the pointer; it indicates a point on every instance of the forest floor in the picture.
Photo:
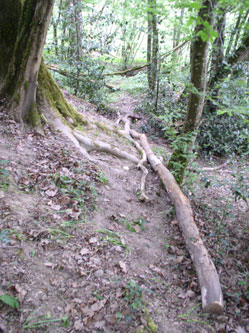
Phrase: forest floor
(81, 253)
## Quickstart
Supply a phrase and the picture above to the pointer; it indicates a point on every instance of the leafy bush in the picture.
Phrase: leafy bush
(224, 134)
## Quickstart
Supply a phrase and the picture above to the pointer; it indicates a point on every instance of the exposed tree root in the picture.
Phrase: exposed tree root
(96, 145)
(104, 147)
(212, 298)
(140, 165)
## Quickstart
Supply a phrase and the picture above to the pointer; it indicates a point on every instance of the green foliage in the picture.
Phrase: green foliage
(4, 236)
(223, 135)
(9, 300)
(182, 155)
(134, 225)
(113, 238)
(44, 321)
(4, 175)
(133, 295)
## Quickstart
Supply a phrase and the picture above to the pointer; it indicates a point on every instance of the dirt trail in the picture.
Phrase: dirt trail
(79, 250)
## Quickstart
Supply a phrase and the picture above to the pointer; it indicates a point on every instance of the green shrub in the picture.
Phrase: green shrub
(224, 134)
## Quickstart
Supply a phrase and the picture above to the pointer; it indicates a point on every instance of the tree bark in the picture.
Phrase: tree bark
(22, 91)
(149, 46)
(21, 63)
(198, 62)
(218, 49)
(212, 298)
(152, 45)
(233, 32)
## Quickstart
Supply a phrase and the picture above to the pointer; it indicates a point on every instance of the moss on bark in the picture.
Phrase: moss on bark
(49, 91)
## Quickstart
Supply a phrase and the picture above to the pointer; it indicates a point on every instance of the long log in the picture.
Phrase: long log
(123, 72)
(212, 298)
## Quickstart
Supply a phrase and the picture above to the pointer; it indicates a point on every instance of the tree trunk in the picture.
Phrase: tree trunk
(233, 32)
(198, 63)
(178, 29)
(218, 49)
(155, 48)
(149, 46)
(29, 20)
(21, 91)
(152, 46)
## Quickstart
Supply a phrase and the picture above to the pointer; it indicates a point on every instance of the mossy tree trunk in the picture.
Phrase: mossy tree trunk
(198, 63)
(20, 62)
(23, 29)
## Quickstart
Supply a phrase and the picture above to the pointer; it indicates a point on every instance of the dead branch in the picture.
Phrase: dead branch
(212, 298)
(81, 78)
(140, 165)
(96, 145)
(129, 71)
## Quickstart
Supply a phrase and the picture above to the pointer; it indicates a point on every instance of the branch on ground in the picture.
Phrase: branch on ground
(212, 298)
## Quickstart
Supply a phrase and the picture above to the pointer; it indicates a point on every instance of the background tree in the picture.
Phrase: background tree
(198, 64)
(152, 45)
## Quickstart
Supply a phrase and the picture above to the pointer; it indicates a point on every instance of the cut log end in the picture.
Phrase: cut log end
(213, 308)
(212, 299)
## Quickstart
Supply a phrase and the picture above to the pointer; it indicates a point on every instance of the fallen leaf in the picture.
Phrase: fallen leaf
(69, 308)
(98, 305)
(122, 266)
(78, 325)
(174, 222)
(93, 240)
(111, 319)
(51, 193)
(49, 264)
(100, 324)
(178, 260)
(84, 251)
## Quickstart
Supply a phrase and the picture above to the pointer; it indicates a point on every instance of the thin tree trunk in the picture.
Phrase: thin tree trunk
(218, 49)
(238, 31)
(155, 48)
(149, 45)
(233, 32)
(177, 29)
(198, 63)
(152, 46)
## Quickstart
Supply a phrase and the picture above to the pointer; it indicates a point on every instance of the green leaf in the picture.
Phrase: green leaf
(4, 172)
(206, 24)
(204, 36)
(195, 5)
(214, 33)
(4, 162)
(190, 20)
(9, 300)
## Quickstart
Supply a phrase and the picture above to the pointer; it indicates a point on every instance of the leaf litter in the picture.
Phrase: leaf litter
(69, 276)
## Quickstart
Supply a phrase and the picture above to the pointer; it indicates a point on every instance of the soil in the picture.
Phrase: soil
(81, 253)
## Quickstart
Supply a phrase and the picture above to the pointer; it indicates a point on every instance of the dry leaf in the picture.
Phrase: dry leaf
(84, 251)
(174, 222)
(51, 193)
(69, 308)
(122, 266)
(93, 240)
(78, 325)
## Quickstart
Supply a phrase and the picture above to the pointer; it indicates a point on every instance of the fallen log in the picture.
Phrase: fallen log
(212, 298)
